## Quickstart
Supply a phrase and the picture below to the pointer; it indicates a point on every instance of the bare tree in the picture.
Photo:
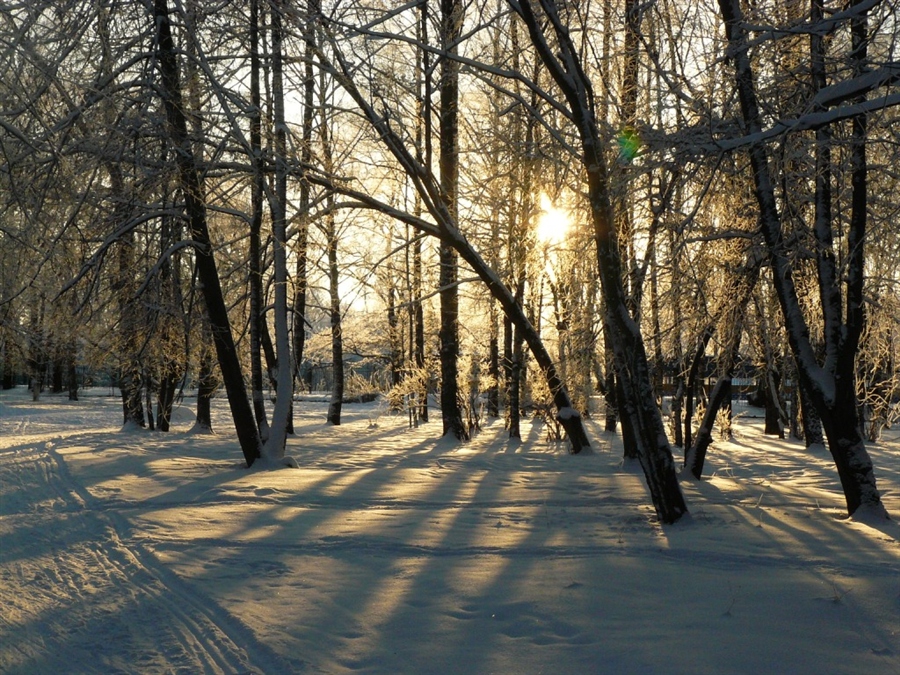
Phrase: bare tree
(445, 228)
(195, 208)
(451, 29)
(830, 385)
(551, 38)
(274, 447)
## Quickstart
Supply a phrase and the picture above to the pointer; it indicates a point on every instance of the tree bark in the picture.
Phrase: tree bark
(512, 410)
(424, 153)
(830, 387)
(337, 341)
(207, 384)
(774, 411)
(256, 318)
(632, 367)
(419, 322)
(394, 331)
(610, 391)
(301, 246)
(493, 398)
(812, 423)
(195, 207)
(451, 27)
(274, 447)
(691, 388)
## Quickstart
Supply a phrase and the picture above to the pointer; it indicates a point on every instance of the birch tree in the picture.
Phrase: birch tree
(445, 227)
(552, 40)
(195, 209)
(830, 384)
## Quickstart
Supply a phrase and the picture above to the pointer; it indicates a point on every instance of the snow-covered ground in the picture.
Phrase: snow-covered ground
(393, 551)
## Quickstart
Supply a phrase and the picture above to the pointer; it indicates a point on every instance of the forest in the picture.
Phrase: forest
(627, 210)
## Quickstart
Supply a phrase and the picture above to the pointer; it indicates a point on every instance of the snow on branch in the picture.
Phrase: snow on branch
(475, 65)
(821, 27)
(838, 93)
(809, 121)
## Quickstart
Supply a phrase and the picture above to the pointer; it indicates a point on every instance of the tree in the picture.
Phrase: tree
(257, 191)
(830, 385)
(274, 447)
(552, 40)
(451, 29)
(195, 208)
(329, 230)
(446, 229)
(301, 246)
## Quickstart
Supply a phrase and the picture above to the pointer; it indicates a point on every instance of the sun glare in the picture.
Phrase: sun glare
(553, 223)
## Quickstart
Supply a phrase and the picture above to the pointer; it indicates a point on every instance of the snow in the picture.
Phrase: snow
(391, 550)
(567, 413)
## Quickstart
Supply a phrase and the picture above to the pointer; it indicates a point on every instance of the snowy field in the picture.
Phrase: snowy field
(392, 551)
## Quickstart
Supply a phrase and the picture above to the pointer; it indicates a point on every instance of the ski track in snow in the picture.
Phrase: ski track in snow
(165, 625)
(391, 551)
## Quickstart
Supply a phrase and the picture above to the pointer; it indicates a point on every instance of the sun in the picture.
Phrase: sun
(553, 223)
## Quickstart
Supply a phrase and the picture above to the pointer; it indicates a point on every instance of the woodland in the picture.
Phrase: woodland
(634, 211)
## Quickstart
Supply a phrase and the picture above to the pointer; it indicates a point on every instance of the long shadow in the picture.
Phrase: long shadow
(459, 638)
(363, 491)
(396, 578)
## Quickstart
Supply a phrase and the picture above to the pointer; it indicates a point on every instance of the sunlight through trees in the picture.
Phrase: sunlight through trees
(512, 209)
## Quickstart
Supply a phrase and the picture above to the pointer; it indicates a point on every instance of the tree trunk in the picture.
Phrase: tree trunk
(812, 423)
(678, 409)
(832, 387)
(696, 456)
(511, 384)
(337, 341)
(731, 326)
(493, 398)
(7, 374)
(691, 388)
(611, 393)
(56, 379)
(515, 386)
(449, 344)
(423, 151)
(37, 352)
(148, 377)
(419, 321)
(678, 356)
(171, 306)
(71, 364)
(301, 247)
(632, 367)
(124, 287)
(774, 412)
(274, 447)
(395, 338)
(451, 27)
(166, 398)
(629, 440)
(207, 384)
(622, 185)
(195, 206)
(256, 319)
